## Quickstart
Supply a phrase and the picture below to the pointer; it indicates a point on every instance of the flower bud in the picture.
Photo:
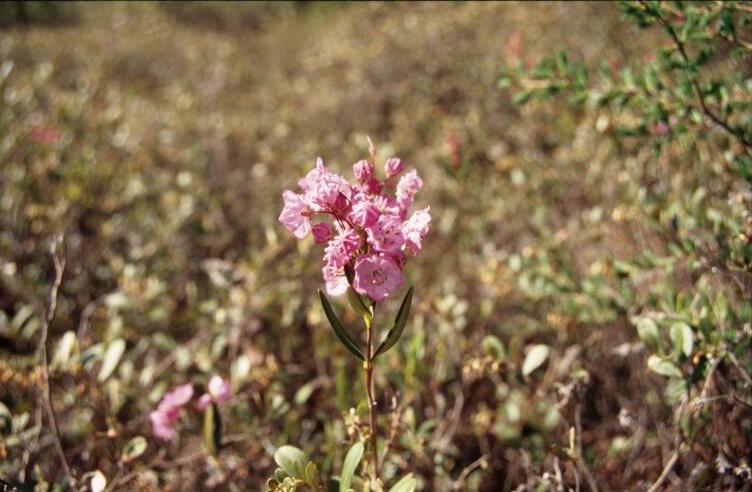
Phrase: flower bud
(363, 170)
(322, 232)
(393, 166)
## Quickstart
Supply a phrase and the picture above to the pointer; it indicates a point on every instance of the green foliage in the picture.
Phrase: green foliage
(606, 217)
(685, 108)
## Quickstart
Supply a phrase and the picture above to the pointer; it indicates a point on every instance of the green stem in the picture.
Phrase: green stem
(368, 367)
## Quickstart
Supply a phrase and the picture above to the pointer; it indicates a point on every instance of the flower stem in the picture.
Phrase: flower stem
(368, 366)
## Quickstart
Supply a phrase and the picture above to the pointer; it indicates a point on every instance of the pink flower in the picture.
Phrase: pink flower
(363, 170)
(386, 234)
(342, 246)
(364, 213)
(219, 392)
(376, 277)
(374, 186)
(335, 279)
(415, 229)
(662, 128)
(313, 175)
(322, 232)
(168, 411)
(393, 166)
(204, 401)
(219, 389)
(296, 214)
(45, 134)
(161, 425)
(364, 220)
(409, 185)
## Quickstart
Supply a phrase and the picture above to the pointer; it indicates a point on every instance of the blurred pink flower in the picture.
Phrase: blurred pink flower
(45, 134)
(219, 392)
(662, 128)
(220, 389)
(168, 411)
(376, 276)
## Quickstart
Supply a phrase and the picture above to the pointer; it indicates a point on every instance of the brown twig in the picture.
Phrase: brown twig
(59, 262)
(581, 463)
(677, 446)
(393, 428)
(459, 483)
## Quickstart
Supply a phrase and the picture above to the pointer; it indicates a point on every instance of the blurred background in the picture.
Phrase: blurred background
(156, 139)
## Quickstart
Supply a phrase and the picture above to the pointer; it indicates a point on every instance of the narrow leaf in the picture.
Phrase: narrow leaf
(357, 302)
(212, 429)
(348, 467)
(338, 328)
(111, 358)
(399, 324)
(406, 484)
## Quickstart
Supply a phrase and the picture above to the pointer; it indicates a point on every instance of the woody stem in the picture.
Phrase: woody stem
(368, 366)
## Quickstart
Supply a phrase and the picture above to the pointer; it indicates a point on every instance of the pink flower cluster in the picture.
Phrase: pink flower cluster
(369, 228)
(168, 411)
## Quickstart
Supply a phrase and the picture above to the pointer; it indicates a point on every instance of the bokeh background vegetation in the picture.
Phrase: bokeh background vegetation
(582, 311)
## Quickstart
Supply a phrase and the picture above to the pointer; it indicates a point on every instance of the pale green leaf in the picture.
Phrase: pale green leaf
(535, 358)
(112, 356)
(406, 484)
(682, 338)
(348, 467)
(663, 367)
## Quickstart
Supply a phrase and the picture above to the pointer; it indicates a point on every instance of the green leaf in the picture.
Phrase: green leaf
(112, 356)
(663, 367)
(356, 302)
(311, 474)
(6, 420)
(406, 484)
(535, 358)
(348, 467)
(339, 329)
(291, 459)
(135, 448)
(494, 347)
(399, 324)
(212, 429)
(64, 349)
(647, 330)
(682, 338)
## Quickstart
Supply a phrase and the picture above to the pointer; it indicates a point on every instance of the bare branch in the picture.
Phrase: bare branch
(58, 258)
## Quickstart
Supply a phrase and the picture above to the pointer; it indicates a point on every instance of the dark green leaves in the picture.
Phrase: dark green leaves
(399, 324)
(339, 329)
(357, 302)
